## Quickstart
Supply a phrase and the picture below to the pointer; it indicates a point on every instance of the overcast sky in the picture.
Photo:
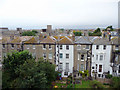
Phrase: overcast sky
(59, 13)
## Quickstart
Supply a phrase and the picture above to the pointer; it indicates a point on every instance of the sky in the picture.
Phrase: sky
(69, 14)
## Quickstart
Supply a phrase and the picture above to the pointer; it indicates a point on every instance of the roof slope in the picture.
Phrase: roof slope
(48, 40)
(65, 40)
(30, 41)
(82, 40)
(102, 41)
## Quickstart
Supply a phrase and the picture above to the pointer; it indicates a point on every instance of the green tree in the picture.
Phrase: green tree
(20, 70)
(34, 31)
(78, 33)
(28, 33)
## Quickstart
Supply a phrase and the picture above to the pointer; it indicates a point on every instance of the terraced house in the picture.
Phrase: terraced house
(101, 58)
(115, 60)
(82, 55)
(65, 56)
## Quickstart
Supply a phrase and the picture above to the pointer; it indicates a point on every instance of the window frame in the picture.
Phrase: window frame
(67, 47)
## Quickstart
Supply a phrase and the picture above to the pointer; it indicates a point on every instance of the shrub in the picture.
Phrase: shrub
(96, 84)
(115, 82)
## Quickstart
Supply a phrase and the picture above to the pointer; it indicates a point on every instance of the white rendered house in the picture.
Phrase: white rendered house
(65, 56)
(101, 58)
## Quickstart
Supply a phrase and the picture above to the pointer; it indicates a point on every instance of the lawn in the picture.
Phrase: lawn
(85, 84)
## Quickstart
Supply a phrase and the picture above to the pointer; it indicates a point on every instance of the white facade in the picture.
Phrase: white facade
(65, 57)
(101, 55)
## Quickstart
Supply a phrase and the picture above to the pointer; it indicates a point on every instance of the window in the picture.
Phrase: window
(116, 47)
(61, 55)
(34, 55)
(99, 75)
(119, 69)
(87, 46)
(33, 46)
(82, 57)
(100, 68)
(97, 46)
(50, 55)
(78, 47)
(66, 73)
(61, 66)
(96, 66)
(101, 57)
(104, 47)
(96, 57)
(81, 67)
(12, 45)
(44, 55)
(60, 46)
(67, 66)
(3, 46)
(78, 67)
(67, 47)
(92, 67)
(44, 46)
(78, 56)
(67, 56)
(50, 47)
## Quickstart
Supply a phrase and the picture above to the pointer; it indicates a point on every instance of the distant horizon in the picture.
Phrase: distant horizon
(68, 14)
(82, 27)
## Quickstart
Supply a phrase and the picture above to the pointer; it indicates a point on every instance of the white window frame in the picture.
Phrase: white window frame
(83, 58)
(60, 55)
(50, 55)
(67, 47)
(68, 56)
(102, 57)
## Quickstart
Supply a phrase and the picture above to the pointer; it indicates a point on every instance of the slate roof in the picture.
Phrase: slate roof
(102, 41)
(82, 40)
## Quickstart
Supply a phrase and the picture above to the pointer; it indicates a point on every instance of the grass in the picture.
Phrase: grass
(85, 84)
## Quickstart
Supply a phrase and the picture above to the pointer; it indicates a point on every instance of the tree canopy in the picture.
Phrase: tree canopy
(20, 70)
(30, 33)
(97, 32)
